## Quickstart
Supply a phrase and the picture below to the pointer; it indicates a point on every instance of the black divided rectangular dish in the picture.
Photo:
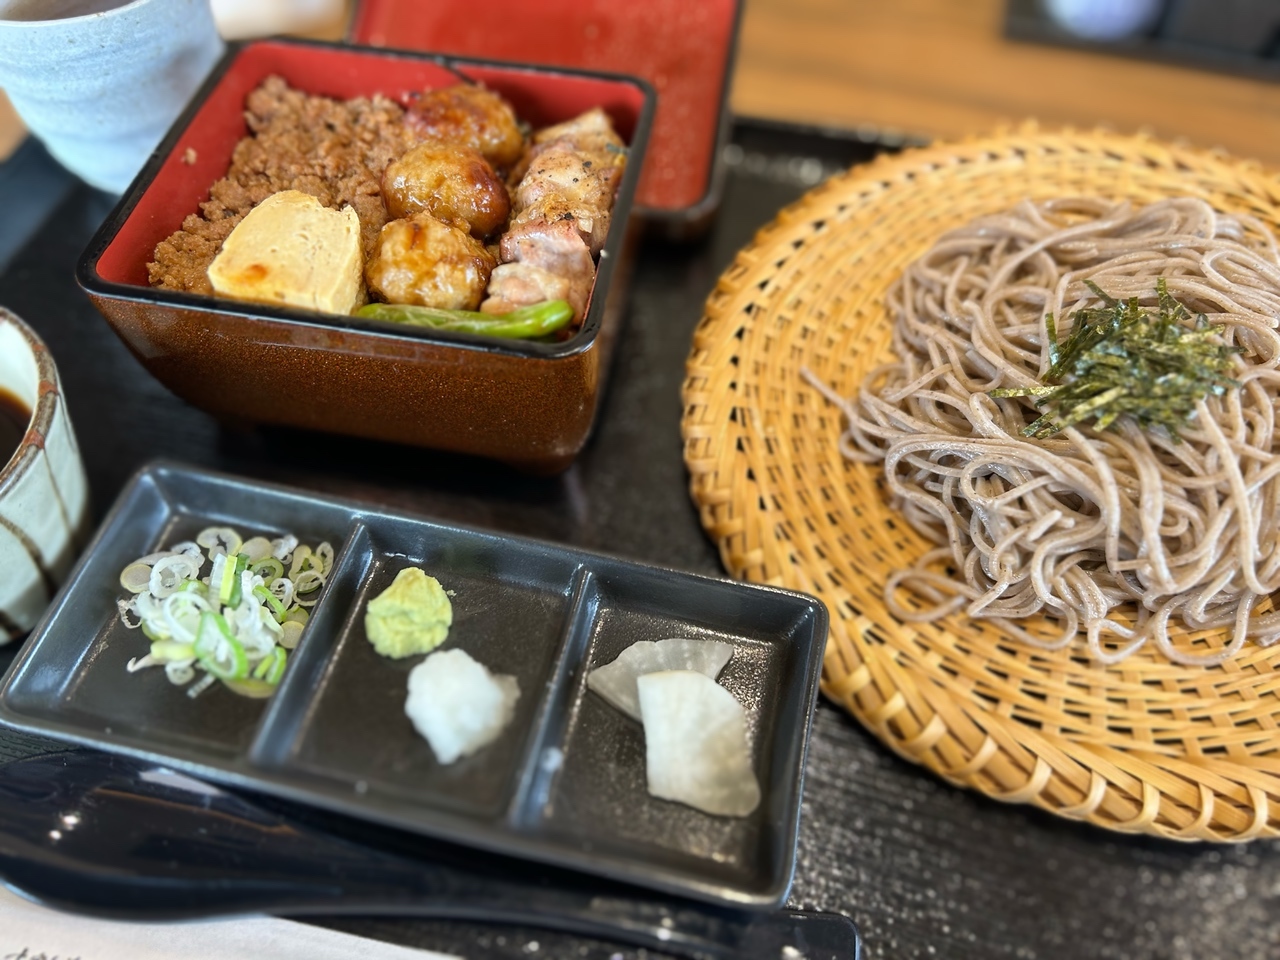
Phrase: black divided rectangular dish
(564, 783)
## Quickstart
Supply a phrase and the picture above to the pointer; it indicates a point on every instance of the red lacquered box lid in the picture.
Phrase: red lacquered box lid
(683, 47)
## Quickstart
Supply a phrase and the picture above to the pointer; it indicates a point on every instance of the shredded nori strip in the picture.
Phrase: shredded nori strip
(1120, 359)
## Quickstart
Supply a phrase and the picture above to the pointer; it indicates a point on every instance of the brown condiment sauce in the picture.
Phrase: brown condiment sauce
(14, 420)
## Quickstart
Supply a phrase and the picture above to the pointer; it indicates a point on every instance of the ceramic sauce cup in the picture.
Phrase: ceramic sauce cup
(44, 496)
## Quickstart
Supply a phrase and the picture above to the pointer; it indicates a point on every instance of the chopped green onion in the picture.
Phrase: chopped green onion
(291, 633)
(271, 668)
(226, 627)
(268, 569)
(228, 581)
(311, 562)
(260, 670)
(215, 637)
(237, 589)
(136, 577)
(219, 540)
(278, 660)
(134, 664)
(307, 582)
(153, 633)
(256, 549)
(167, 651)
(213, 628)
(249, 687)
(272, 601)
(297, 558)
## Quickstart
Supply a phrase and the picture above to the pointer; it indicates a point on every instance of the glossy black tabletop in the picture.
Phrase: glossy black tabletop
(927, 870)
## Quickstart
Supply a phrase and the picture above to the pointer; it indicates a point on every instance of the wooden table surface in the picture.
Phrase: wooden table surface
(941, 68)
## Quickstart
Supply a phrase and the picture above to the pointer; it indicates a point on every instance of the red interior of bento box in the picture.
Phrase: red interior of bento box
(202, 152)
(682, 47)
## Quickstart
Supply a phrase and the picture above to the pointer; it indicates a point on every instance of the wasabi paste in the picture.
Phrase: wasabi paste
(411, 616)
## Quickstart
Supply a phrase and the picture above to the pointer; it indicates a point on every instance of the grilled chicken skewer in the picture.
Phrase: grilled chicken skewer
(563, 203)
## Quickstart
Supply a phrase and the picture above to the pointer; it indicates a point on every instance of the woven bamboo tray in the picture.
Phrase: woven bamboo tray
(1145, 746)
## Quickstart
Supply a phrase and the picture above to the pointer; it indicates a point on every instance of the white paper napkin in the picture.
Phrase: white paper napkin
(29, 932)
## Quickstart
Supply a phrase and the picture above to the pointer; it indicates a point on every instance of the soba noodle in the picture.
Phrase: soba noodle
(1114, 533)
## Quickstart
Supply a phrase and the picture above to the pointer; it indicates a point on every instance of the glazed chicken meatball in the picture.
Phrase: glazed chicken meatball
(470, 115)
(454, 184)
(424, 261)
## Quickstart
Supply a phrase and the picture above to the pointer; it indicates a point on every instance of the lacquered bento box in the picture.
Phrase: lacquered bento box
(531, 404)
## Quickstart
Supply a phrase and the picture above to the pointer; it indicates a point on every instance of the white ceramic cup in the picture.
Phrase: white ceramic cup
(101, 88)
(44, 496)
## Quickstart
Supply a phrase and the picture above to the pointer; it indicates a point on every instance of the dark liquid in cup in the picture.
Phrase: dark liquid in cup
(14, 420)
(32, 10)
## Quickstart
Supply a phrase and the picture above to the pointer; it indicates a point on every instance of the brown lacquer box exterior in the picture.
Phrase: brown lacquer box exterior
(531, 404)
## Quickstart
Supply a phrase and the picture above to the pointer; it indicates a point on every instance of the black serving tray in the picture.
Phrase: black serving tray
(928, 870)
(564, 784)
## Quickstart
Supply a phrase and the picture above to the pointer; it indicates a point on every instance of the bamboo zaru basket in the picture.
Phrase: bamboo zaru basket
(1146, 746)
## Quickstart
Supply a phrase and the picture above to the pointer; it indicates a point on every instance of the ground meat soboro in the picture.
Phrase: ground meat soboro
(332, 150)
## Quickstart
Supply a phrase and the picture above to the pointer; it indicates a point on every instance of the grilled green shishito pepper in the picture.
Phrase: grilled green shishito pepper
(537, 320)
